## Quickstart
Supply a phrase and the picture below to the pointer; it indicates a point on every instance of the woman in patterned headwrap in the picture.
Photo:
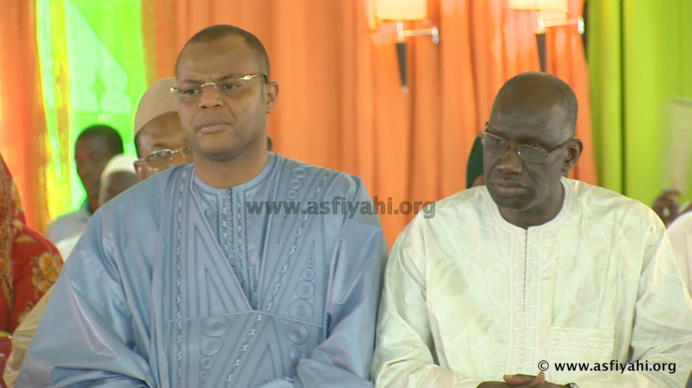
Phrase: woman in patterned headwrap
(29, 263)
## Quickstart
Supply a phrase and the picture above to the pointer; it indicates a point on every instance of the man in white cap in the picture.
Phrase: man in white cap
(159, 137)
(118, 176)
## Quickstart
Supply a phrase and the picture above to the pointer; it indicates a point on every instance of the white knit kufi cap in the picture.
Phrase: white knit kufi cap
(119, 163)
(156, 101)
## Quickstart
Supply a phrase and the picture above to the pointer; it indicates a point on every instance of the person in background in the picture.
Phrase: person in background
(95, 146)
(533, 269)
(118, 176)
(185, 286)
(29, 263)
(159, 137)
(667, 207)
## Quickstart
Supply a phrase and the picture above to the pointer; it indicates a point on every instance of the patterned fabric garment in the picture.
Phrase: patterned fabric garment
(469, 297)
(680, 232)
(29, 263)
(209, 289)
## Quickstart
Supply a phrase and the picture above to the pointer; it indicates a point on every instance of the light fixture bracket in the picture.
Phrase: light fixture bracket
(402, 33)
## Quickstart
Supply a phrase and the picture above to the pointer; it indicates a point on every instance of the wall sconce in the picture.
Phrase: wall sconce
(550, 13)
(400, 11)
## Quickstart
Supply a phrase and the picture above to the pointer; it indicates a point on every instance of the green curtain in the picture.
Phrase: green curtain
(92, 71)
(640, 61)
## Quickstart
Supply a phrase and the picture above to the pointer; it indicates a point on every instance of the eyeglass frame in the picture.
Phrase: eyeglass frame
(176, 90)
(171, 155)
(508, 145)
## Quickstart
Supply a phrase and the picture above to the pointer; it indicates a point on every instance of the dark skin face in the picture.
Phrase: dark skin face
(92, 153)
(115, 184)
(528, 194)
(228, 133)
(163, 132)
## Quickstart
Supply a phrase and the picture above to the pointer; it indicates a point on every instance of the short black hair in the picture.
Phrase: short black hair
(112, 137)
(534, 87)
(219, 31)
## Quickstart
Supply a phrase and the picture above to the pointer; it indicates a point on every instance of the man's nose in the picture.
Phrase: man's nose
(210, 98)
(510, 162)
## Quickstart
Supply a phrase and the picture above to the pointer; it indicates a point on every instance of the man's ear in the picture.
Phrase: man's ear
(271, 93)
(572, 155)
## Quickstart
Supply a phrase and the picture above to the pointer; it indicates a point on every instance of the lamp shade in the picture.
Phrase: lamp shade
(551, 18)
(552, 11)
(540, 5)
(401, 9)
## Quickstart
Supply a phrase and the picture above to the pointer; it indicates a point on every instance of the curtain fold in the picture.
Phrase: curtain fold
(22, 122)
(640, 55)
(55, 80)
(567, 60)
(604, 32)
(92, 72)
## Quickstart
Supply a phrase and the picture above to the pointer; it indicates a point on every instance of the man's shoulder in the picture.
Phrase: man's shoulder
(682, 224)
(333, 180)
(467, 197)
(299, 168)
(606, 203)
(456, 210)
(468, 200)
(601, 196)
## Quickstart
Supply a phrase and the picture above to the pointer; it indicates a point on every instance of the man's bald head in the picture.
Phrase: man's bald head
(214, 33)
(534, 91)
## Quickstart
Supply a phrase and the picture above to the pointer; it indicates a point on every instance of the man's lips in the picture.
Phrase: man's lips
(508, 186)
(210, 126)
(508, 183)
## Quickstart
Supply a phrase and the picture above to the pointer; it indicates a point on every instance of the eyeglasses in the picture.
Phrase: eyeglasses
(162, 159)
(525, 152)
(228, 87)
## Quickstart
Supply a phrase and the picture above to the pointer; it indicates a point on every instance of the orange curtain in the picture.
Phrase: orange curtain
(341, 104)
(566, 59)
(22, 120)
